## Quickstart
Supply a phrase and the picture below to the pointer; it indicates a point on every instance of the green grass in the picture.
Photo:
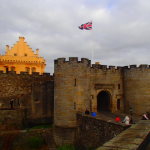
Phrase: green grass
(66, 147)
(42, 126)
(34, 142)
(28, 142)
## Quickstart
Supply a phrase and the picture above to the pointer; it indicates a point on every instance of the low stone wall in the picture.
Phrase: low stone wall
(18, 119)
(11, 119)
(135, 138)
(93, 132)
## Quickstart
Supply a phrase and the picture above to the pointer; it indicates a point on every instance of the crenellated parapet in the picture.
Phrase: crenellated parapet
(34, 74)
(145, 66)
(142, 67)
(105, 68)
(97, 66)
(72, 60)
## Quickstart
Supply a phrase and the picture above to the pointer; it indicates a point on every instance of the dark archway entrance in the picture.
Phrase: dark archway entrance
(103, 101)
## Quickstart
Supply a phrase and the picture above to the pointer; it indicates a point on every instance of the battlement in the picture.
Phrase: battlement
(73, 60)
(34, 74)
(142, 66)
(105, 67)
(86, 61)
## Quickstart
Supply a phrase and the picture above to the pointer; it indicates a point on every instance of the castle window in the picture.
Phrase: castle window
(36, 100)
(6, 69)
(118, 86)
(15, 54)
(33, 69)
(118, 104)
(75, 82)
(74, 105)
(25, 54)
(27, 69)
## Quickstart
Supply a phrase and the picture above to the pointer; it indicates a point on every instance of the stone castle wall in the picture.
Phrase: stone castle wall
(34, 93)
(137, 88)
(107, 78)
(11, 119)
(94, 132)
(72, 89)
(78, 83)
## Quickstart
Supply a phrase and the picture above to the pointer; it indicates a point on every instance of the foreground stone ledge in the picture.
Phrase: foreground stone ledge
(130, 139)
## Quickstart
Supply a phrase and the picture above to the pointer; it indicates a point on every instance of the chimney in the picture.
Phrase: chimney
(21, 38)
(37, 51)
(7, 48)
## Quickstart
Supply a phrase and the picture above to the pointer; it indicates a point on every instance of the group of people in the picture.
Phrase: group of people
(127, 120)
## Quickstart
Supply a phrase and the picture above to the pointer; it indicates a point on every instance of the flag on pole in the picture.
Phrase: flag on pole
(86, 26)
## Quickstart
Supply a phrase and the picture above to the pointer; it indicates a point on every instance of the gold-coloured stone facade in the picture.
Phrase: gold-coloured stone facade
(21, 58)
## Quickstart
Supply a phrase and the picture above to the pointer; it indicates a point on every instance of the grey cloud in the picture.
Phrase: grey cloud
(120, 34)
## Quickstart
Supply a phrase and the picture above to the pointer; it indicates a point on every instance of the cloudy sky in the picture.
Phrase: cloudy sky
(120, 35)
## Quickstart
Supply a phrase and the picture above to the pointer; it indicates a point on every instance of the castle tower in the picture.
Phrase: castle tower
(21, 58)
(136, 88)
(70, 95)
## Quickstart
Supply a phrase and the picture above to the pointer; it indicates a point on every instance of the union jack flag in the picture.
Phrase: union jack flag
(86, 26)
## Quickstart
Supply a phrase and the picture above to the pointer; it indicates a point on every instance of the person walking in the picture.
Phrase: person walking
(126, 120)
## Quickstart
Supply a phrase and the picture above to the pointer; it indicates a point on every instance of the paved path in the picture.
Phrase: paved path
(130, 139)
(110, 117)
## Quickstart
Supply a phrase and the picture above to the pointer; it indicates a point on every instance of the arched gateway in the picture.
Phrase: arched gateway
(103, 101)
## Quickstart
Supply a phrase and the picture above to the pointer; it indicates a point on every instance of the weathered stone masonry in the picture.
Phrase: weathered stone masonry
(94, 132)
(33, 93)
(79, 85)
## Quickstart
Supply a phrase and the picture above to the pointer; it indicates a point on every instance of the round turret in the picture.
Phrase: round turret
(136, 88)
(71, 89)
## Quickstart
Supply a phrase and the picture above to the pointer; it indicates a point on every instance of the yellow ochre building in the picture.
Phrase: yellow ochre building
(21, 58)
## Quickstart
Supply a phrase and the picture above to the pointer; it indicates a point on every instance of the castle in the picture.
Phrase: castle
(79, 85)
(21, 58)
(75, 86)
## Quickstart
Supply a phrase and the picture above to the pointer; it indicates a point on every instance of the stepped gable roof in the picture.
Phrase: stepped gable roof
(21, 52)
(20, 49)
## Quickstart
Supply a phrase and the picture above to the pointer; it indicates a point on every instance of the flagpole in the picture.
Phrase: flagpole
(92, 59)
(92, 50)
